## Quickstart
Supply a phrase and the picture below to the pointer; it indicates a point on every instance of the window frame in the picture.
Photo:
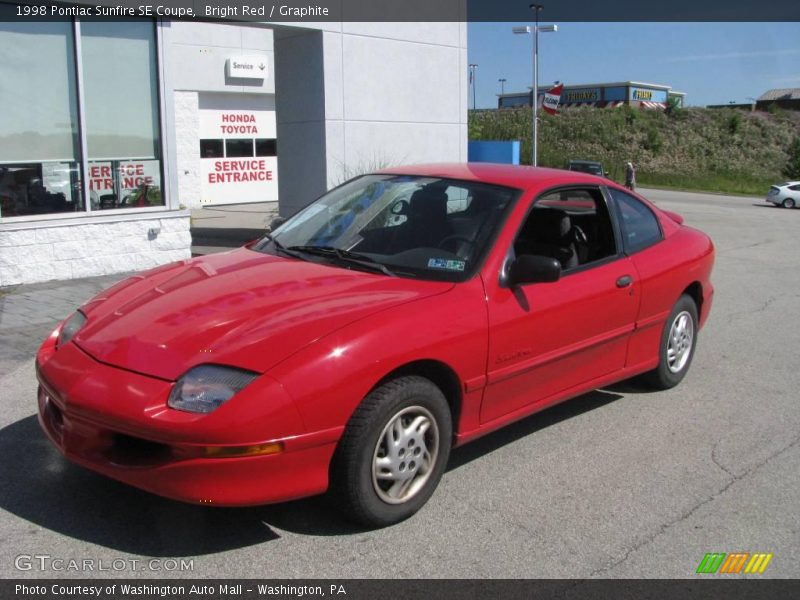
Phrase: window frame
(600, 189)
(87, 214)
(620, 227)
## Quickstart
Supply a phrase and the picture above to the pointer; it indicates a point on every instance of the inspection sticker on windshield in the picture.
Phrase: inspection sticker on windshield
(444, 263)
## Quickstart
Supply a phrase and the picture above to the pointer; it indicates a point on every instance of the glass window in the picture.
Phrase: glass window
(571, 225)
(122, 116)
(397, 224)
(125, 184)
(39, 149)
(211, 149)
(266, 148)
(640, 227)
(238, 148)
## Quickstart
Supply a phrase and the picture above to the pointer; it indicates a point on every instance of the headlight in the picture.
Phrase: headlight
(207, 387)
(70, 328)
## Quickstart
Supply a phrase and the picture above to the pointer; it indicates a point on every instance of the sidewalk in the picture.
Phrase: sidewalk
(28, 313)
(220, 228)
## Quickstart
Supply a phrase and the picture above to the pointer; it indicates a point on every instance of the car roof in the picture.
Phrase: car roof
(516, 176)
(575, 161)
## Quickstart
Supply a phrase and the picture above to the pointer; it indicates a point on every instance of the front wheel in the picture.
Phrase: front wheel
(678, 341)
(787, 203)
(393, 452)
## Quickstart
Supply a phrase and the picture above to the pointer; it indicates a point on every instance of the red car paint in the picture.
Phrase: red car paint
(321, 337)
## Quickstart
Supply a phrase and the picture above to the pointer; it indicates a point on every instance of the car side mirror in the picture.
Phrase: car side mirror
(531, 268)
(276, 222)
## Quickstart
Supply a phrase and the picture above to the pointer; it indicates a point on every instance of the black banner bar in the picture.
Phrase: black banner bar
(370, 589)
(334, 11)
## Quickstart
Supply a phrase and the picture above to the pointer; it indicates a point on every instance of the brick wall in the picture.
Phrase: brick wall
(68, 251)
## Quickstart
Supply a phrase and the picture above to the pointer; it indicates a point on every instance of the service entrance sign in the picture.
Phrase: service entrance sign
(245, 168)
(246, 67)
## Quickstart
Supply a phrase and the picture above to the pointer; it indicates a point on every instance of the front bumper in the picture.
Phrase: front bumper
(116, 422)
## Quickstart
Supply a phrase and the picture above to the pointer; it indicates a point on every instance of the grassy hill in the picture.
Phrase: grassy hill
(723, 150)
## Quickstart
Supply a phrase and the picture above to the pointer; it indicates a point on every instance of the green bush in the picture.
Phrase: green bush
(704, 149)
(654, 142)
(792, 168)
(735, 122)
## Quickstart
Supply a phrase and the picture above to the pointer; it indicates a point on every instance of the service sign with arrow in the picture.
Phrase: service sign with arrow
(551, 99)
(246, 67)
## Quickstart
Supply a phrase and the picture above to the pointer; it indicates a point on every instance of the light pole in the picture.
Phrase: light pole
(536, 8)
(502, 81)
(472, 69)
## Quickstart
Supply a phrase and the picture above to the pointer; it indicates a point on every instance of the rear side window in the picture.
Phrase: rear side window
(795, 188)
(640, 227)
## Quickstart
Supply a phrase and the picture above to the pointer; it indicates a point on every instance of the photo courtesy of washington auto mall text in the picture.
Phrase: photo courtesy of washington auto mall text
(198, 590)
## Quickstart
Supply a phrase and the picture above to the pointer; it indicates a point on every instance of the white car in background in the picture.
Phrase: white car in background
(786, 194)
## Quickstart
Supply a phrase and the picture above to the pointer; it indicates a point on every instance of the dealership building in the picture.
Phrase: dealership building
(116, 130)
(603, 95)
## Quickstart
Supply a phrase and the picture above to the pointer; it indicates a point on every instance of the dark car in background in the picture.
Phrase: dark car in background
(587, 166)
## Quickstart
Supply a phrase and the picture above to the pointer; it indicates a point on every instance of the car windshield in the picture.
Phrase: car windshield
(397, 225)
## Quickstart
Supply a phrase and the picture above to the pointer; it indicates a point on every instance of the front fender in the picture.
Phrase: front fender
(328, 379)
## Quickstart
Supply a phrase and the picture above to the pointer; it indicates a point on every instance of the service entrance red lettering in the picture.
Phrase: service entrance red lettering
(239, 171)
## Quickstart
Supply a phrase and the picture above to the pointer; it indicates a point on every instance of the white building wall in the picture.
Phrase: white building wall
(187, 142)
(355, 97)
(196, 53)
(67, 250)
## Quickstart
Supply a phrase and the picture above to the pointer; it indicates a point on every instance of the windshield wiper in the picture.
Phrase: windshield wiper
(280, 247)
(346, 256)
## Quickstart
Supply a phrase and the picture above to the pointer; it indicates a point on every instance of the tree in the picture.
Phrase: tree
(792, 168)
(673, 106)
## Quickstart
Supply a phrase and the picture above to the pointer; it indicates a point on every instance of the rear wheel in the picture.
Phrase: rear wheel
(393, 452)
(678, 341)
(787, 203)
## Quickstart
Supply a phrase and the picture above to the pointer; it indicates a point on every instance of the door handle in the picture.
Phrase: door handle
(624, 281)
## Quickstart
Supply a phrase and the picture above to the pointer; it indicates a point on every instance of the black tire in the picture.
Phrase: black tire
(666, 375)
(787, 203)
(353, 485)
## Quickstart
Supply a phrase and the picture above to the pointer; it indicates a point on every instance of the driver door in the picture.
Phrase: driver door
(549, 338)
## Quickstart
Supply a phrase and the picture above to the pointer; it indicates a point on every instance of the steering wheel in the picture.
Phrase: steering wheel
(579, 235)
(459, 245)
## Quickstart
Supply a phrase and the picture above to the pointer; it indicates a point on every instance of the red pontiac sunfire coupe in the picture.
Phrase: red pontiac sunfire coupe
(401, 314)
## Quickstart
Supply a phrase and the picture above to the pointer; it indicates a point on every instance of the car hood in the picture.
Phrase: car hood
(240, 308)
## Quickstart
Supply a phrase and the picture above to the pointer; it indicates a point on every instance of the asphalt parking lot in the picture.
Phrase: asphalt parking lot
(620, 482)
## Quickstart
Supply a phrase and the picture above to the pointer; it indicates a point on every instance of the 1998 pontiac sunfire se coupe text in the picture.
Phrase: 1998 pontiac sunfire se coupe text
(401, 314)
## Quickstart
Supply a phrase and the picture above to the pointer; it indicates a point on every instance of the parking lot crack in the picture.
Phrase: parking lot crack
(691, 511)
(717, 462)
(761, 308)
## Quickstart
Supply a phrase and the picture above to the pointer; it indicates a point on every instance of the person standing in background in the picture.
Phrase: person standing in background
(630, 176)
